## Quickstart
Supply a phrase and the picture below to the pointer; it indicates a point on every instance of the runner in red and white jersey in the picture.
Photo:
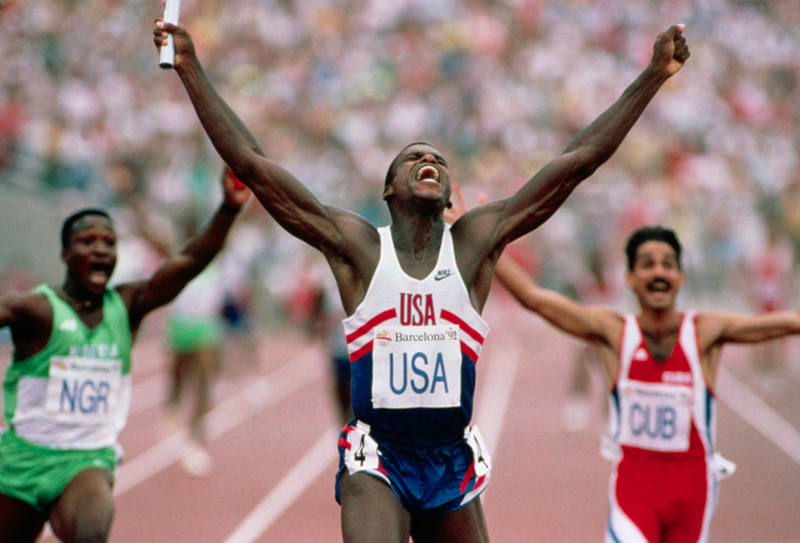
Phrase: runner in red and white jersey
(661, 364)
(661, 414)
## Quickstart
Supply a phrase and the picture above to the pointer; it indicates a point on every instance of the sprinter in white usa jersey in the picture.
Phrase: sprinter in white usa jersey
(415, 378)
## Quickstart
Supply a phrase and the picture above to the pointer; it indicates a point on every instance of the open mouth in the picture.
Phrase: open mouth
(428, 174)
(99, 273)
(659, 285)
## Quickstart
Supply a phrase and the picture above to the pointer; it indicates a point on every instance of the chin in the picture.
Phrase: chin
(661, 305)
(96, 288)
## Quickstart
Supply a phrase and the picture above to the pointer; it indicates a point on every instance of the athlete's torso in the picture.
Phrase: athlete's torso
(413, 347)
(74, 393)
(663, 407)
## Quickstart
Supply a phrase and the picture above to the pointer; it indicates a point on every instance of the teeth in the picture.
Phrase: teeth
(430, 173)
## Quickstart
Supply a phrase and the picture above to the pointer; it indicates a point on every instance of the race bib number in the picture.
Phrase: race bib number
(416, 367)
(361, 452)
(83, 390)
(656, 417)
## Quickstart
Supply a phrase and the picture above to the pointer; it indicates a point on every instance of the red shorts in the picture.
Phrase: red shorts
(657, 498)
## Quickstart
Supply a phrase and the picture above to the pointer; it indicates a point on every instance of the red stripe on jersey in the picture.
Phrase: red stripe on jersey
(471, 332)
(469, 352)
(361, 352)
(370, 324)
(344, 443)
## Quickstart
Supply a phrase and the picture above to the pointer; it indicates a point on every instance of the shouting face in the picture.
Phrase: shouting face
(656, 277)
(92, 252)
(420, 174)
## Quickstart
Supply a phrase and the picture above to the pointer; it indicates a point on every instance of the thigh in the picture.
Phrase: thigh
(85, 509)
(465, 525)
(20, 522)
(632, 517)
(371, 512)
(694, 505)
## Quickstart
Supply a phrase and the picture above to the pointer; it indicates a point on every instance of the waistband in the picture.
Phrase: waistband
(413, 442)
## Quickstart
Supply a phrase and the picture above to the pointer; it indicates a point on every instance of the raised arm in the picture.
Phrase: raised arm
(715, 328)
(544, 193)
(597, 324)
(758, 328)
(291, 204)
(143, 296)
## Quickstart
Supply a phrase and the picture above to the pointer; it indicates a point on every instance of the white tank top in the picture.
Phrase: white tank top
(413, 346)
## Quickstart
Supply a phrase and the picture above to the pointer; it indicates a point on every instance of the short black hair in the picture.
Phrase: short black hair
(651, 233)
(393, 166)
(69, 222)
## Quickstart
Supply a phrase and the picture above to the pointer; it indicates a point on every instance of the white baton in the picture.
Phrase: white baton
(166, 57)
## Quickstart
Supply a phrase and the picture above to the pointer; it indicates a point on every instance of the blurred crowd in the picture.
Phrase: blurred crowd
(333, 89)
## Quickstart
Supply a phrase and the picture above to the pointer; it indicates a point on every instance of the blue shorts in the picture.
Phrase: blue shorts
(438, 479)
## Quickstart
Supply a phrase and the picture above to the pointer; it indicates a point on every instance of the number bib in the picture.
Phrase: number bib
(83, 390)
(416, 366)
(656, 417)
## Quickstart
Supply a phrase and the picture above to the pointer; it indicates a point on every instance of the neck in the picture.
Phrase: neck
(659, 321)
(417, 236)
(80, 297)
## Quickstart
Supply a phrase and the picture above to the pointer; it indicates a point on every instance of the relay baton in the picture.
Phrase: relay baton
(166, 56)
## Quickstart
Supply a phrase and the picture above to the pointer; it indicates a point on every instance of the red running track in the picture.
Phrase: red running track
(273, 442)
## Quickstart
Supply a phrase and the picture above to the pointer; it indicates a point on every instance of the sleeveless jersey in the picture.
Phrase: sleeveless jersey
(662, 407)
(413, 347)
(74, 393)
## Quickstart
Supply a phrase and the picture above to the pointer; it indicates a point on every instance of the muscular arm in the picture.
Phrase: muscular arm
(348, 241)
(538, 199)
(714, 329)
(292, 205)
(143, 296)
(30, 317)
(597, 324)
(509, 218)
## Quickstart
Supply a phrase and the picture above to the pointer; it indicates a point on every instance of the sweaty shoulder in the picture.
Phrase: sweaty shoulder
(24, 308)
(478, 234)
(710, 328)
(30, 317)
(352, 254)
(356, 239)
(608, 325)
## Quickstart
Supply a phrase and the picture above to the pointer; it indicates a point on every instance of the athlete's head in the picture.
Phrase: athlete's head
(390, 173)
(654, 268)
(418, 170)
(89, 248)
(652, 233)
(73, 223)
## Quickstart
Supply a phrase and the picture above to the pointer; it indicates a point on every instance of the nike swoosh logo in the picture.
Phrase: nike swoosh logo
(443, 275)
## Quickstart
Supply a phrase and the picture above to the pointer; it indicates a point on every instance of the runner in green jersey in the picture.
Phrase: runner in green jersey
(67, 390)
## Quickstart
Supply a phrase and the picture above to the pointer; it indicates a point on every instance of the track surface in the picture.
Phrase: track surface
(273, 439)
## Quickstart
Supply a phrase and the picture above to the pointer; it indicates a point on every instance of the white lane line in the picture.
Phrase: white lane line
(745, 403)
(495, 394)
(500, 375)
(261, 393)
(315, 462)
(148, 393)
